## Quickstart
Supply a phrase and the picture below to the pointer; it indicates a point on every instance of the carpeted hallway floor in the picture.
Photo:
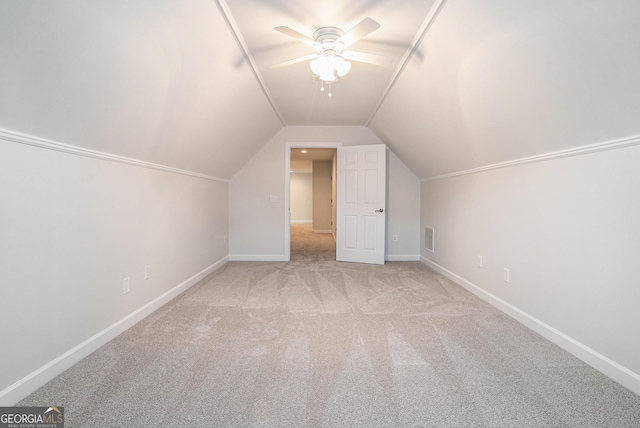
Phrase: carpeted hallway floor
(317, 343)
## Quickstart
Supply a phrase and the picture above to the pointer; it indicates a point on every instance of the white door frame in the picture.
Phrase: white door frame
(287, 186)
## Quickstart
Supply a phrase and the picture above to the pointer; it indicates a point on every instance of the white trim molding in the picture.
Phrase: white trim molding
(402, 257)
(28, 384)
(258, 258)
(42, 143)
(576, 151)
(606, 366)
(282, 258)
(237, 35)
(413, 47)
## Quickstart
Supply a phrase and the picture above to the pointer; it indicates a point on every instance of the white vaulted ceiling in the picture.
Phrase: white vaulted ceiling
(355, 96)
(160, 81)
(505, 80)
(189, 84)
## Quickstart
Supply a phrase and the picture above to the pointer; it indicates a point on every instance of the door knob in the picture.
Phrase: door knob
(380, 210)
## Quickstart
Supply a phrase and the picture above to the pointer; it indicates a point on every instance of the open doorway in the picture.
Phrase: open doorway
(312, 207)
(310, 195)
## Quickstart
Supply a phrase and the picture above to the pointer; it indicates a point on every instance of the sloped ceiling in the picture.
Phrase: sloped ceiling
(189, 84)
(154, 80)
(503, 80)
(355, 96)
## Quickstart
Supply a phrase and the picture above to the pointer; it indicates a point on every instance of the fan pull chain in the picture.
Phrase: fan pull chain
(322, 87)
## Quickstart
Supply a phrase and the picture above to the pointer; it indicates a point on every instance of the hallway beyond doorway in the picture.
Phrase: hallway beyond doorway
(306, 245)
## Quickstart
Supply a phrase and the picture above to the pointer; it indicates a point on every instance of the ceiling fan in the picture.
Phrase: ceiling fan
(330, 43)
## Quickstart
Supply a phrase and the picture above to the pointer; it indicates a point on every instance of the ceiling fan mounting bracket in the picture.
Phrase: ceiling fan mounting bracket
(326, 38)
(326, 34)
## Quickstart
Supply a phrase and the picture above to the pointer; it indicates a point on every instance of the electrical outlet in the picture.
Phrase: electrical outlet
(126, 286)
(147, 272)
(273, 199)
(479, 262)
(505, 275)
(395, 238)
(224, 239)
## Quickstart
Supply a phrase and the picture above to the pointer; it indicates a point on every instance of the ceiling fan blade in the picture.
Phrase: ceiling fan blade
(294, 34)
(294, 61)
(366, 57)
(365, 27)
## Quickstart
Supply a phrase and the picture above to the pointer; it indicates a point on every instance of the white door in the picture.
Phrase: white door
(361, 204)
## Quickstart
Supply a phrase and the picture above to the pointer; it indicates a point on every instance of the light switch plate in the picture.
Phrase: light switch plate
(273, 199)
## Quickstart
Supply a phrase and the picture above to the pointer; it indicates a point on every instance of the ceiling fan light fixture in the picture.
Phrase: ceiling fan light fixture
(318, 65)
(328, 76)
(327, 65)
(341, 66)
(323, 67)
(330, 44)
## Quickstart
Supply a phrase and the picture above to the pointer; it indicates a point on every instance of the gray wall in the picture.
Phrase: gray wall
(568, 231)
(257, 226)
(322, 196)
(77, 227)
(301, 198)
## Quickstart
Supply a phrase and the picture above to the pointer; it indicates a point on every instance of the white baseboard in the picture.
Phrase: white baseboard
(258, 258)
(606, 366)
(402, 258)
(301, 221)
(28, 384)
(322, 231)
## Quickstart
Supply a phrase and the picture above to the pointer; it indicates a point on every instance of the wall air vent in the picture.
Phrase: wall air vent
(428, 239)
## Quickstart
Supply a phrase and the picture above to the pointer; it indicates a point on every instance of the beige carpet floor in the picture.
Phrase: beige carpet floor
(317, 343)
